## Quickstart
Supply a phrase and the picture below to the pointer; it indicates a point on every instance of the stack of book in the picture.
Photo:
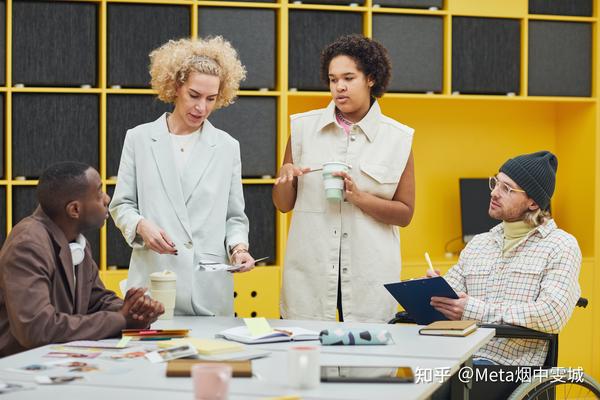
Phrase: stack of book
(154, 334)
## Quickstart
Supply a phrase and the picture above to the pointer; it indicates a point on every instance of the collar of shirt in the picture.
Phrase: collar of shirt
(543, 230)
(368, 124)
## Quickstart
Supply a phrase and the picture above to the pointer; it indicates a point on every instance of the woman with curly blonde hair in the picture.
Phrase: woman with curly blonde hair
(179, 201)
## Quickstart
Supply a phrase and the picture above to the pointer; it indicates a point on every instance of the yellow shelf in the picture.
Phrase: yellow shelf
(563, 18)
(325, 7)
(19, 182)
(476, 97)
(299, 93)
(258, 181)
(114, 90)
(47, 89)
(407, 11)
(238, 4)
(170, 2)
(269, 93)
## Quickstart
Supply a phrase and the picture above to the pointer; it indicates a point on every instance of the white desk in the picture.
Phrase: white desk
(141, 378)
(408, 342)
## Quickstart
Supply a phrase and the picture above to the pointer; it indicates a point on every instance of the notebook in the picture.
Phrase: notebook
(183, 367)
(242, 334)
(415, 296)
(449, 328)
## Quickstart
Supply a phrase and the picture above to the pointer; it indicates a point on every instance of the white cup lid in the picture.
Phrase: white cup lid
(165, 275)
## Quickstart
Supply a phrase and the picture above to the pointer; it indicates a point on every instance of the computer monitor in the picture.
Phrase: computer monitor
(474, 205)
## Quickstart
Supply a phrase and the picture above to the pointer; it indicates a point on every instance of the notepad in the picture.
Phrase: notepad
(449, 328)
(242, 334)
(258, 326)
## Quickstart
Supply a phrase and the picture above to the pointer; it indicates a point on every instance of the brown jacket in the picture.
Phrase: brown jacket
(39, 303)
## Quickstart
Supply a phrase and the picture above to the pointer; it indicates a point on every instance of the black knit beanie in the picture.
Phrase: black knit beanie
(535, 173)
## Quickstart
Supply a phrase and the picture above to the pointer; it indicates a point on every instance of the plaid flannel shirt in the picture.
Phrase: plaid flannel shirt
(534, 285)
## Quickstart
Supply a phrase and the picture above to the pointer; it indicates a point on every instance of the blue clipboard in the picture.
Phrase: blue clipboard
(415, 295)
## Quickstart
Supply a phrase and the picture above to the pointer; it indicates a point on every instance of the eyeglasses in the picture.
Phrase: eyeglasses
(505, 190)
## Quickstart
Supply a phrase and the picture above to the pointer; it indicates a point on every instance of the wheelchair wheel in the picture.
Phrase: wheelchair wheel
(558, 384)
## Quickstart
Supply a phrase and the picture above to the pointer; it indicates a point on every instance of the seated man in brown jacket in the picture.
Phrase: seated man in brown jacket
(50, 291)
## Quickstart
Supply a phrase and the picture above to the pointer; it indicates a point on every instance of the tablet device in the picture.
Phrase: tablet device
(374, 374)
(415, 295)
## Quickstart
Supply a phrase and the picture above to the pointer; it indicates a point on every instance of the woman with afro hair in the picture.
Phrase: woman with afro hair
(339, 254)
(179, 200)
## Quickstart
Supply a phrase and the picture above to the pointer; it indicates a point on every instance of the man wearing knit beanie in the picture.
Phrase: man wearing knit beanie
(524, 271)
(535, 173)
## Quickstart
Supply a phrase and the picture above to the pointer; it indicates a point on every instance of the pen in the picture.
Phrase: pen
(429, 263)
(155, 338)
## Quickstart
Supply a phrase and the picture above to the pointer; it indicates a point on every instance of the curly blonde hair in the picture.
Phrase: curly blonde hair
(172, 63)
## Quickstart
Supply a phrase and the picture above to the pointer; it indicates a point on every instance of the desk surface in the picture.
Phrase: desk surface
(134, 378)
(408, 342)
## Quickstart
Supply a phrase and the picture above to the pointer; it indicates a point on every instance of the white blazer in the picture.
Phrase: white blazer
(203, 212)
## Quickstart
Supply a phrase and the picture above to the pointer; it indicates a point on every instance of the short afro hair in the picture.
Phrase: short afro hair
(370, 56)
(60, 184)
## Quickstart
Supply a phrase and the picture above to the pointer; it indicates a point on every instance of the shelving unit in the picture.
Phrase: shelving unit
(457, 135)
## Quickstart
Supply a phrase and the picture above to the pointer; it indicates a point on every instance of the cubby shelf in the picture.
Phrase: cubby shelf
(457, 135)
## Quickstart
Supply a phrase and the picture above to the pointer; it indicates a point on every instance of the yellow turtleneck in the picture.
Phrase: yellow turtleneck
(514, 233)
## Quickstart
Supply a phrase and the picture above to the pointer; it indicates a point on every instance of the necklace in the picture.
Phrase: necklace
(184, 142)
(341, 118)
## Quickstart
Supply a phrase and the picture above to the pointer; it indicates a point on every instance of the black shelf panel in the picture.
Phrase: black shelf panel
(309, 33)
(118, 252)
(134, 30)
(486, 55)
(582, 8)
(252, 32)
(123, 112)
(55, 43)
(560, 58)
(253, 122)
(48, 128)
(2, 139)
(2, 215)
(24, 204)
(417, 59)
(261, 213)
(2, 42)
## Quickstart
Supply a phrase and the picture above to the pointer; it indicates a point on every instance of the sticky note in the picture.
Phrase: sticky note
(123, 342)
(258, 326)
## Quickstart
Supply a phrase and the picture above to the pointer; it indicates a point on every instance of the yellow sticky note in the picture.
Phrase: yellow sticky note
(123, 342)
(258, 326)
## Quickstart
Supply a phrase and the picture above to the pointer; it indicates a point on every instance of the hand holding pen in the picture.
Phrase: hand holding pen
(431, 273)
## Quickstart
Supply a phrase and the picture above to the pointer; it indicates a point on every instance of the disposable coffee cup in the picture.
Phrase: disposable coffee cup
(163, 288)
(334, 185)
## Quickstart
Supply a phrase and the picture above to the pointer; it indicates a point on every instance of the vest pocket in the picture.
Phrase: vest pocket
(380, 180)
